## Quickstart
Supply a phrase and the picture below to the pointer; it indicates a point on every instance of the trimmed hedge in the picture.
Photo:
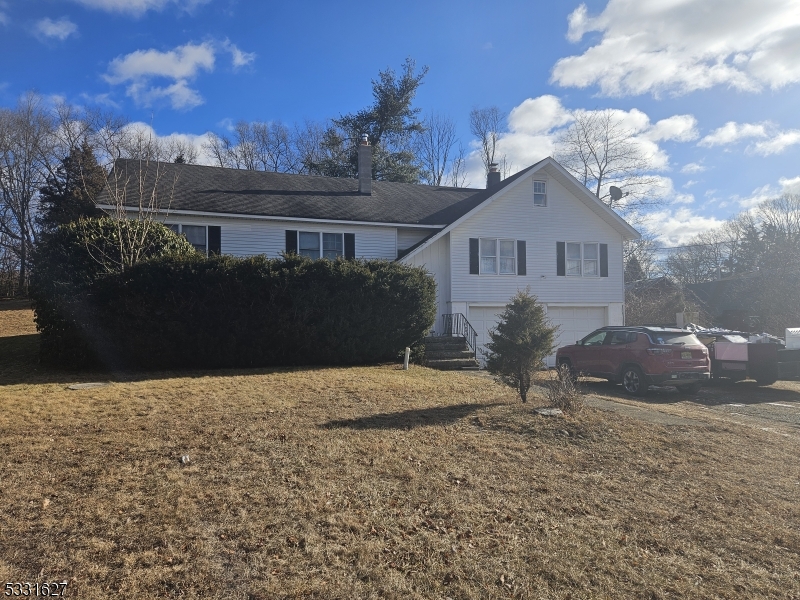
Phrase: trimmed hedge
(190, 311)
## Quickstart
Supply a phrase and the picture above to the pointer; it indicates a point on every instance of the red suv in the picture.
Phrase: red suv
(638, 357)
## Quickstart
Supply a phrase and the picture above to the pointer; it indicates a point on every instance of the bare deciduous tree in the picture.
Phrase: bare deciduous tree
(139, 194)
(27, 144)
(485, 124)
(458, 169)
(434, 146)
(599, 151)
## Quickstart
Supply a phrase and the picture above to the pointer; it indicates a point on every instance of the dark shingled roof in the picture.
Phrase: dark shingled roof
(234, 191)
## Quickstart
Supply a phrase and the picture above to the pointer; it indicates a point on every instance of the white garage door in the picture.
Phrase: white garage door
(575, 323)
(483, 318)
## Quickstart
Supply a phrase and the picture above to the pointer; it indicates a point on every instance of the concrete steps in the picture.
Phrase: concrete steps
(449, 354)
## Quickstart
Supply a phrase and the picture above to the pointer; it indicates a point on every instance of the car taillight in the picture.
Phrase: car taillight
(659, 350)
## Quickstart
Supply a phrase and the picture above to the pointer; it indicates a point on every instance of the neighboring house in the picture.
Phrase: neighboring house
(733, 302)
(538, 229)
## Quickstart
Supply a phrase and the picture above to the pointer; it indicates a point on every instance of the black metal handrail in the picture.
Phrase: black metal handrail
(456, 324)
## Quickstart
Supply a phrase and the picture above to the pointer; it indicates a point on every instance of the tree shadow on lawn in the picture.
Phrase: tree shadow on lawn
(410, 419)
(19, 364)
(15, 304)
(714, 393)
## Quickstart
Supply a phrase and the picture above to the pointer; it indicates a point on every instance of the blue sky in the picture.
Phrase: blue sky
(710, 87)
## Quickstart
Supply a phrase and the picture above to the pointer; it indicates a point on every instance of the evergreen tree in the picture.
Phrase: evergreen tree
(520, 343)
(390, 124)
(71, 192)
(633, 270)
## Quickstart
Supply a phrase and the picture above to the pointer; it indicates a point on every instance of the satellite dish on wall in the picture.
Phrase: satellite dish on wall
(615, 192)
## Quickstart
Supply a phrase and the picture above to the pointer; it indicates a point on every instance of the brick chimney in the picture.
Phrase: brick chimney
(493, 178)
(365, 166)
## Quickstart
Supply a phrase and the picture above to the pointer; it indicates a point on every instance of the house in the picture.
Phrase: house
(538, 229)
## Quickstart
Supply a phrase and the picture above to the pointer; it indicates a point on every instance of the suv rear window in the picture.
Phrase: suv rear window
(675, 338)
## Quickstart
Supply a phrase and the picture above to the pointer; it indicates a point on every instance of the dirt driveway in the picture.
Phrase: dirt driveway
(775, 407)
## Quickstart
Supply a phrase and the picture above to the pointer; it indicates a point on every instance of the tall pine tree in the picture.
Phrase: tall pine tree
(390, 124)
(71, 192)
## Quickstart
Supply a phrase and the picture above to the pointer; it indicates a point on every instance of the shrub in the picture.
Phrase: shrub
(520, 343)
(66, 265)
(564, 392)
(193, 311)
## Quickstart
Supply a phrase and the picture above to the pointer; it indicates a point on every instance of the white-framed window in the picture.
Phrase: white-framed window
(498, 256)
(583, 259)
(591, 260)
(196, 235)
(311, 242)
(539, 193)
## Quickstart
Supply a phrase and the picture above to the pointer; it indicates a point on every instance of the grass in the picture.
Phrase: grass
(374, 483)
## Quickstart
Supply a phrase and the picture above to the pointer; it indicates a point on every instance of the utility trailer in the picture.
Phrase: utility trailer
(737, 355)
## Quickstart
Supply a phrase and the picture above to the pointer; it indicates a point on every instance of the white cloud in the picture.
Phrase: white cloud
(152, 75)
(60, 30)
(692, 168)
(778, 143)
(790, 186)
(674, 228)
(139, 7)
(655, 46)
(239, 58)
(680, 128)
(690, 183)
(535, 124)
(732, 132)
(146, 132)
(767, 192)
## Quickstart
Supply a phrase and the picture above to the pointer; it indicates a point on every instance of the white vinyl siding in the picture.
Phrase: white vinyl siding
(512, 215)
(436, 260)
(249, 237)
(410, 236)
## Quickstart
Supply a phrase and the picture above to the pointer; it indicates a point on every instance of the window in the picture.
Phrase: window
(622, 337)
(196, 235)
(332, 245)
(498, 257)
(539, 193)
(309, 244)
(583, 259)
(574, 259)
(594, 339)
(590, 260)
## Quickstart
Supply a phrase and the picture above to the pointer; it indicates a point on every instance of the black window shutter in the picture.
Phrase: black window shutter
(291, 241)
(522, 266)
(349, 245)
(561, 259)
(214, 239)
(473, 257)
(603, 260)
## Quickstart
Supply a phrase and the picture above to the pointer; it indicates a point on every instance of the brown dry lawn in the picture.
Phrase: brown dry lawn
(374, 483)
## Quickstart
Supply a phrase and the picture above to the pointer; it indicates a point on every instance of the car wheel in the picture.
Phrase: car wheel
(690, 389)
(633, 381)
(565, 362)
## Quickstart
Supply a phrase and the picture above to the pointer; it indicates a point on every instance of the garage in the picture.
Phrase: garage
(575, 322)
